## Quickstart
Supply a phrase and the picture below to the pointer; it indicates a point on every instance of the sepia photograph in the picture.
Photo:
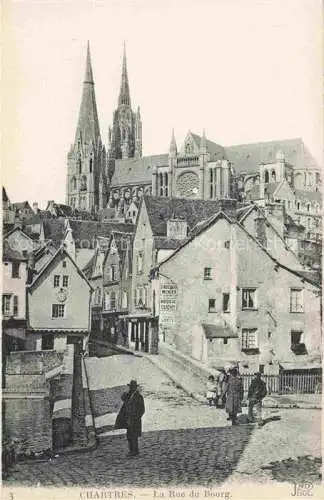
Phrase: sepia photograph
(161, 249)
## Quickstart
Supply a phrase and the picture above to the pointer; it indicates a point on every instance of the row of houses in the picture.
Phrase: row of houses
(219, 280)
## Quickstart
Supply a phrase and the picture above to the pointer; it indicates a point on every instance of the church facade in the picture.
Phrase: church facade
(117, 177)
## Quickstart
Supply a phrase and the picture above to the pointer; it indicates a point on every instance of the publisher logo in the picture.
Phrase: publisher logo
(303, 489)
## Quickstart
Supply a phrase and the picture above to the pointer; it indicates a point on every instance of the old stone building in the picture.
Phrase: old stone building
(115, 178)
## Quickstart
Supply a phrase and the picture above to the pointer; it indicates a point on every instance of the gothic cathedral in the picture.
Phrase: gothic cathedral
(89, 165)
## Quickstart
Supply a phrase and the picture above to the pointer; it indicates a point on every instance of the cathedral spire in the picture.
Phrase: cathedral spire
(88, 123)
(88, 73)
(124, 94)
(173, 145)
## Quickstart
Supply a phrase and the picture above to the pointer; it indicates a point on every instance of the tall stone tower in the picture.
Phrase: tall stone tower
(86, 158)
(125, 136)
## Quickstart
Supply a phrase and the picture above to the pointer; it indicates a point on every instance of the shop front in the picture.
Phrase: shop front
(143, 333)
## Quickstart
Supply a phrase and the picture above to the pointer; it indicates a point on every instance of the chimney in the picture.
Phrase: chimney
(35, 207)
(50, 207)
(177, 229)
(260, 230)
(30, 267)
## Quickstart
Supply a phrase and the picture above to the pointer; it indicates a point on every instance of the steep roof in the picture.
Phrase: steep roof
(163, 243)
(312, 196)
(220, 214)
(160, 209)
(60, 252)
(247, 157)
(84, 232)
(137, 170)
(216, 151)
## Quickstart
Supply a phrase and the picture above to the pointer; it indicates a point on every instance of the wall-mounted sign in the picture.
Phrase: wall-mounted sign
(168, 303)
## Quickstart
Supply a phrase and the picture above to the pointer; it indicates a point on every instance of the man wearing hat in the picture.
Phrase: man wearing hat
(134, 410)
(257, 391)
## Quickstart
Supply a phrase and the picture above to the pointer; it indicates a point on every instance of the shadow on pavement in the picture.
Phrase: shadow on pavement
(184, 457)
(296, 470)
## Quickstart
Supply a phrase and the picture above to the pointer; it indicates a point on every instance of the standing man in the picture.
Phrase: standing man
(257, 391)
(134, 410)
(234, 395)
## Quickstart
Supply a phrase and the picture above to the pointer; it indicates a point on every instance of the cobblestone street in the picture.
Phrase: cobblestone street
(183, 443)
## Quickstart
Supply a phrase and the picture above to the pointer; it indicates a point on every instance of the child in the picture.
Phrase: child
(211, 390)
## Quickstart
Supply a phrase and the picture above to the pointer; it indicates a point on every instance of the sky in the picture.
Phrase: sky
(243, 70)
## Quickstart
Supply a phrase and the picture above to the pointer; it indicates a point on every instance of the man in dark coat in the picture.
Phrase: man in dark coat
(134, 410)
(234, 395)
(257, 391)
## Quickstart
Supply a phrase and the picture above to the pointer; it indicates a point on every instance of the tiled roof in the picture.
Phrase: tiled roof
(161, 209)
(133, 171)
(84, 232)
(21, 205)
(312, 196)
(163, 243)
(247, 157)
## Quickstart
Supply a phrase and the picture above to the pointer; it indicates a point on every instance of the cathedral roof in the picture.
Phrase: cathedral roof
(312, 196)
(216, 151)
(134, 171)
(88, 123)
(246, 158)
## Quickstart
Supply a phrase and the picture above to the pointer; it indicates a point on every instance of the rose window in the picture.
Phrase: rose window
(188, 185)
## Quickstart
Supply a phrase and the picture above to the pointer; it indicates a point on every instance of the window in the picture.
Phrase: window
(207, 273)
(266, 177)
(211, 305)
(225, 340)
(226, 302)
(249, 298)
(140, 296)
(249, 338)
(112, 273)
(56, 281)
(65, 281)
(124, 300)
(15, 270)
(97, 297)
(47, 342)
(15, 305)
(64, 263)
(58, 310)
(6, 307)
(107, 301)
(90, 165)
(297, 345)
(113, 300)
(212, 183)
(163, 184)
(139, 265)
(298, 205)
(296, 336)
(296, 300)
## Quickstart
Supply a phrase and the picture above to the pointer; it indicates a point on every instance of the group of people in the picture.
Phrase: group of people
(227, 391)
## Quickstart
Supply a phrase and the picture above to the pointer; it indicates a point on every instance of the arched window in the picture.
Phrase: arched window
(83, 183)
(113, 301)
(298, 205)
(97, 296)
(161, 184)
(73, 184)
(166, 182)
(308, 207)
(90, 165)
(266, 177)
(79, 164)
(273, 176)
